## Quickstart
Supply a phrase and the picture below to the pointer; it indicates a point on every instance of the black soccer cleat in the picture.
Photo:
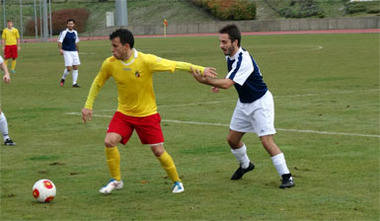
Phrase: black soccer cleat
(287, 181)
(240, 171)
(62, 82)
(76, 85)
(9, 142)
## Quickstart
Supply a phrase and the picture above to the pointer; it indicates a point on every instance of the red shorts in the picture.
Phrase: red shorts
(10, 51)
(148, 128)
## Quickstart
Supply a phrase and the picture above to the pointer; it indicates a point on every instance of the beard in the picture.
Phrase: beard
(229, 50)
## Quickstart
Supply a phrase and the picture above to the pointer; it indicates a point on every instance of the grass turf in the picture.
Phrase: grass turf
(327, 83)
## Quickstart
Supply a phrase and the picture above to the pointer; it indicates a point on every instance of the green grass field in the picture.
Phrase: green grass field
(326, 91)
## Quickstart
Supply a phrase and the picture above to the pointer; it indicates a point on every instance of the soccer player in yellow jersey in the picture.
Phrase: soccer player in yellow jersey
(137, 109)
(11, 44)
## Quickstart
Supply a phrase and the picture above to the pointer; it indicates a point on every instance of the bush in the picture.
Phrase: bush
(301, 9)
(354, 7)
(359, 7)
(229, 9)
(80, 15)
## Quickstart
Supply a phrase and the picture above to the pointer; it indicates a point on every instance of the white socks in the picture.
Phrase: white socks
(75, 76)
(278, 160)
(65, 73)
(3, 126)
(280, 164)
(241, 156)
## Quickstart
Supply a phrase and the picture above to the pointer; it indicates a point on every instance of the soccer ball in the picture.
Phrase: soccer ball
(44, 190)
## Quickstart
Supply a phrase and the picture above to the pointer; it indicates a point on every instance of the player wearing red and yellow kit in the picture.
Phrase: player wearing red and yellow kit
(137, 109)
(11, 44)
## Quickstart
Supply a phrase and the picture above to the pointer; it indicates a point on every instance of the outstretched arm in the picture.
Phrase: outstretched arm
(161, 64)
(215, 82)
(206, 71)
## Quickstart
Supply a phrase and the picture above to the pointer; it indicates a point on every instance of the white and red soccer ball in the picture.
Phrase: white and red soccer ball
(44, 190)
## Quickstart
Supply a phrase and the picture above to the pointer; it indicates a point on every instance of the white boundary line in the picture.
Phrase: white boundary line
(227, 125)
(299, 49)
(235, 99)
(275, 96)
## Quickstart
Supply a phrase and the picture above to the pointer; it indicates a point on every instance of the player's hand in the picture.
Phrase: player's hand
(61, 51)
(210, 72)
(86, 115)
(19, 48)
(198, 76)
(7, 78)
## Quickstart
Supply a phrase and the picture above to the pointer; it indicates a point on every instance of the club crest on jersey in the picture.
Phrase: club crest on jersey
(137, 74)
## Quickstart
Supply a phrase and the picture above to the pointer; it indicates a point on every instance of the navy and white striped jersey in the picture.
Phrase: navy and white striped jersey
(68, 39)
(243, 70)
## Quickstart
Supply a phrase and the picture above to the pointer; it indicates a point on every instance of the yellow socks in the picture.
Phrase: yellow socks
(168, 164)
(113, 161)
(13, 65)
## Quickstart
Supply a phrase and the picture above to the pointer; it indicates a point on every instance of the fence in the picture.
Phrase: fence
(256, 26)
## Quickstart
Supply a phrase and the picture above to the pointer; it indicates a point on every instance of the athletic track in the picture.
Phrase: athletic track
(83, 38)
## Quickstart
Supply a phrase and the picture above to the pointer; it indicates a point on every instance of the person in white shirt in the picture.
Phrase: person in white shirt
(68, 47)
(254, 110)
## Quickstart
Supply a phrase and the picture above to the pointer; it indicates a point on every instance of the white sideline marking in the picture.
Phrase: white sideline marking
(227, 125)
(300, 49)
(86, 53)
(235, 99)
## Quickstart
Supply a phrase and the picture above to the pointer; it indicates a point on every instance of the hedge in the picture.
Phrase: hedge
(80, 15)
(362, 7)
(229, 9)
(302, 9)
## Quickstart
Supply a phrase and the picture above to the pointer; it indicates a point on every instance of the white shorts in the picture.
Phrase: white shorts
(71, 58)
(256, 117)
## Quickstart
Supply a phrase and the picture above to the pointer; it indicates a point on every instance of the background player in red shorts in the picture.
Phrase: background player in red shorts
(11, 44)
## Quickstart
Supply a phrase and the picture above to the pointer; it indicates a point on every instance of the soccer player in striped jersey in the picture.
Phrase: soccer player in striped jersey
(254, 111)
(68, 47)
(133, 71)
(11, 45)
(3, 120)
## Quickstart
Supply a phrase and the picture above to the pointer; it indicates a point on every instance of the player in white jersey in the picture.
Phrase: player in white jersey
(68, 47)
(254, 111)
(3, 120)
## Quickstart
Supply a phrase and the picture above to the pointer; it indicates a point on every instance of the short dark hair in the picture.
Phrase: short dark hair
(233, 33)
(69, 20)
(125, 36)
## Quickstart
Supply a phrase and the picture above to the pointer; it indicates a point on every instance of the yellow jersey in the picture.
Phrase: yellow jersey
(134, 81)
(10, 36)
